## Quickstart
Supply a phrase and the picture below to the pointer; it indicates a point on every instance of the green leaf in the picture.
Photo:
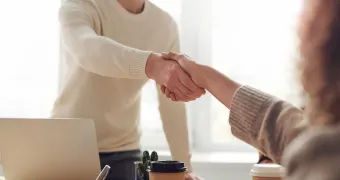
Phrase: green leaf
(154, 156)
(145, 160)
(147, 164)
(146, 157)
(141, 167)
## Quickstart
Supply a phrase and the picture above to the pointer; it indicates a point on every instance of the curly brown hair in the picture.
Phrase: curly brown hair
(320, 64)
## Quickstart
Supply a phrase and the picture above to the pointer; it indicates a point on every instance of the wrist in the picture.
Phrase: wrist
(205, 75)
(219, 85)
(150, 65)
(197, 74)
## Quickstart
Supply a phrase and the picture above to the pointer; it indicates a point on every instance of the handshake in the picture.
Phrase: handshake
(178, 75)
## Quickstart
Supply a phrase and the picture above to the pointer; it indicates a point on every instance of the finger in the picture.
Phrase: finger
(187, 177)
(187, 82)
(166, 56)
(163, 89)
(173, 97)
(190, 176)
(175, 56)
(189, 95)
(179, 95)
(167, 92)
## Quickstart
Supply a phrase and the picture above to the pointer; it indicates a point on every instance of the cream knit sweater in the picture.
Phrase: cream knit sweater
(105, 75)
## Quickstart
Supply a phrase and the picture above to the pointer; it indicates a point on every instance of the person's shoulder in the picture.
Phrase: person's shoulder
(71, 9)
(78, 4)
(316, 150)
(161, 16)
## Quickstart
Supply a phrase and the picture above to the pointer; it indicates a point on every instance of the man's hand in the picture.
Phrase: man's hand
(169, 74)
(189, 66)
(191, 176)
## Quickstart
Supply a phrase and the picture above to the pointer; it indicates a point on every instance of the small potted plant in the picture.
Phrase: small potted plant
(143, 166)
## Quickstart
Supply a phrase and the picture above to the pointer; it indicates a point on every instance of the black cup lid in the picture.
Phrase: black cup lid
(167, 167)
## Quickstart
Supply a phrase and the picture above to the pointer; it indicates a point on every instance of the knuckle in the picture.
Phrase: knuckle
(168, 79)
(187, 93)
(187, 82)
(176, 66)
(173, 68)
(172, 81)
(168, 84)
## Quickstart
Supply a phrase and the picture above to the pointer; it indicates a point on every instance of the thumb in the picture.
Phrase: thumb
(166, 56)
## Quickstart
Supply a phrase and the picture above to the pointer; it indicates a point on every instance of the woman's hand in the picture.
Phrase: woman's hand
(218, 84)
(189, 66)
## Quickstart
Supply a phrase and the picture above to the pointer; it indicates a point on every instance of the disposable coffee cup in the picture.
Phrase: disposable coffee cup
(167, 170)
(267, 172)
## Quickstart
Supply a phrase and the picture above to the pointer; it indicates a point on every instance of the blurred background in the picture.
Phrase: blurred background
(251, 41)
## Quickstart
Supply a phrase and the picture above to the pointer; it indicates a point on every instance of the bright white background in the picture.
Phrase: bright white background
(253, 42)
(250, 41)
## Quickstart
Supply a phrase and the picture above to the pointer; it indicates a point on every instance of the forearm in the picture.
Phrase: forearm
(104, 56)
(264, 121)
(94, 53)
(219, 85)
(261, 120)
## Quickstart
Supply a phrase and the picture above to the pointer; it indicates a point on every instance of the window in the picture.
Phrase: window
(250, 41)
(29, 57)
(253, 42)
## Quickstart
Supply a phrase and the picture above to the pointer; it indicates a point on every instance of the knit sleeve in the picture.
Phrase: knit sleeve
(95, 53)
(265, 122)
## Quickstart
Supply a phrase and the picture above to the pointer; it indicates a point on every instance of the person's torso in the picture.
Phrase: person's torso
(113, 103)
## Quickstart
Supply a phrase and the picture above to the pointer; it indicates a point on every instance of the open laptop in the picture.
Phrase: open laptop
(49, 149)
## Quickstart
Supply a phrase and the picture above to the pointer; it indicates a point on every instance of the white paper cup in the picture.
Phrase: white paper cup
(267, 172)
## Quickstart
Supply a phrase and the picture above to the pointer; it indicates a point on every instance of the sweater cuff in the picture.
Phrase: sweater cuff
(245, 110)
(137, 63)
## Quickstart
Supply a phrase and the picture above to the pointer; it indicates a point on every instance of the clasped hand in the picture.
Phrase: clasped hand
(174, 72)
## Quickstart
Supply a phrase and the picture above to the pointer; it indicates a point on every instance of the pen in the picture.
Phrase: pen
(103, 174)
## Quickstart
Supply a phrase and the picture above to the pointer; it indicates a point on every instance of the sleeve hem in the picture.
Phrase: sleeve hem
(245, 109)
(137, 63)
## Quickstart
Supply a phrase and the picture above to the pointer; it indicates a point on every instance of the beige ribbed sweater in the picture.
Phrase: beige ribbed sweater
(280, 131)
(105, 52)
